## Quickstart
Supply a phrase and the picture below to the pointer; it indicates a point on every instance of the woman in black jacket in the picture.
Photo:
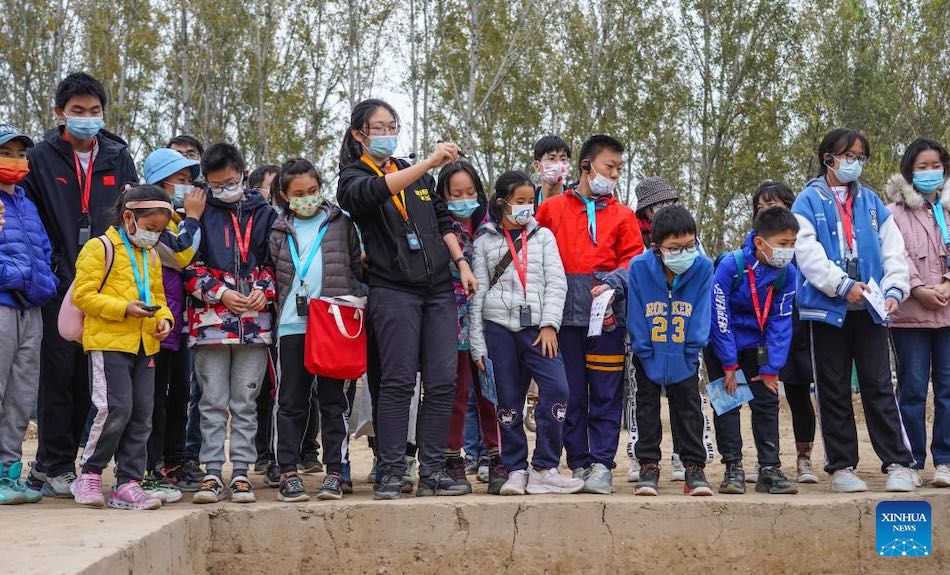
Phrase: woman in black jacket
(409, 242)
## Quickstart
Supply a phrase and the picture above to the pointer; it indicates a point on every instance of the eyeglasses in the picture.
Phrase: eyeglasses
(677, 251)
(391, 130)
(192, 155)
(230, 187)
(852, 158)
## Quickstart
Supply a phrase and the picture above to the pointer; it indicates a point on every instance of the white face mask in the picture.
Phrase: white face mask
(180, 191)
(144, 238)
(780, 257)
(520, 214)
(601, 186)
(229, 193)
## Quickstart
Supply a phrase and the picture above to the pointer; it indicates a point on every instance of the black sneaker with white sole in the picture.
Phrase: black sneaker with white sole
(696, 483)
(332, 487)
(649, 482)
(272, 476)
(291, 489)
(733, 481)
(389, 487)
(772, 480)
(441, 484)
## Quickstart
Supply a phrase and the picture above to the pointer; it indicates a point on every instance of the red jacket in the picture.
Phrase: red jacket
(585, 263)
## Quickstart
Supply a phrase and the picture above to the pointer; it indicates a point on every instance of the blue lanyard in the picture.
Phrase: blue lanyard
(591, 205)
(941, 221)
(145, 294)
(302, 271)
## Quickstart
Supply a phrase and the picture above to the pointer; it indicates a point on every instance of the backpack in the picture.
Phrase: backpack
(71, 318)
(739, 256)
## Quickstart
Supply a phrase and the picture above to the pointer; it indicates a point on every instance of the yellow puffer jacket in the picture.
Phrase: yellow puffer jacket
(106, 328)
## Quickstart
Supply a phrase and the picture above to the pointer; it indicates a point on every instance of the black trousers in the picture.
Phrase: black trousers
(294, 390)
(803, 412)
(263, 440)
(865, 343)
(170, 411)
(684, 400)
(63, 402)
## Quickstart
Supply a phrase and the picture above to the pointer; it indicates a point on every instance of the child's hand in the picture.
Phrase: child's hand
(597, 290)
(548, 340)
(257, 300)
(468, 281)
(770, 381)
(136, 309)
(164, 328)
(480, 364)
(891, 305)
(856, 293)
(730, 382)
(234, 301)
(930, 298)
(943, 289)
(195, 203)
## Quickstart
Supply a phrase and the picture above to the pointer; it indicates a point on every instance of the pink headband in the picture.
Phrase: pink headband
(145, 204)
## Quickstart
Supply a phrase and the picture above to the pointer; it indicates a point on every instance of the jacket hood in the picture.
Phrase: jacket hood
(107, 140)
(252, 201)
(900, 191)
(284, 222)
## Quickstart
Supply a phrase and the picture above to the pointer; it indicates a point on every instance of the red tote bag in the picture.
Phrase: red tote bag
(335, 344)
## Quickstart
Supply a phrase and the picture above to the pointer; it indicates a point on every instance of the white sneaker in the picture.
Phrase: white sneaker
(677, 469)
(899, 478)
(517, 481)
(634, 474)
(806, 473)
(482, 475)
(845, 481)
(599, 480)
(551, 481)
(752, 476)
(941, 476)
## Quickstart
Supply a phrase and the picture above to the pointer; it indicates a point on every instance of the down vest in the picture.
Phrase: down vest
(501, 304)
(340, 252)
(26, 278)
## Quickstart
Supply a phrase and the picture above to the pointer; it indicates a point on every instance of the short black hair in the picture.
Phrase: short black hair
(914, 149)
(442, 186)
(505, 187)
(186, 140)
(839, 141)
(221, 156)
(550, 144)
(79, 84)
(291, 169)
(772, 190)
(671, 221)
(774, 221)
(596, 144)
(256, 179)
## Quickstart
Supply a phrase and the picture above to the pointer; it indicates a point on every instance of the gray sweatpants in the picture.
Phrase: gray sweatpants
(122, 386)
(230, 378)
(21, 333)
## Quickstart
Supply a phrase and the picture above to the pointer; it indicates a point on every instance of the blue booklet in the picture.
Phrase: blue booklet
(486, 379)
(720, 399)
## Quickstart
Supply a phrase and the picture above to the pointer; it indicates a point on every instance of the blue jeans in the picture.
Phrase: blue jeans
(193, 428)
(474, 447)
(921, 354)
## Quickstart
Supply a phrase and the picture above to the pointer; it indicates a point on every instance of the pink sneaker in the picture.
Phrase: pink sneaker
(87, 490)
(132, 496)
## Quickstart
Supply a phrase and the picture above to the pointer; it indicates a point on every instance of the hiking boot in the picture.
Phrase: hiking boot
(530, 422)
(242, 491)
(677, 469)
(900, 478)
(633, 474)
(455, 467)
(753, 476)
(272, 476)
(12, 474)
(483, 468)
(941, 476)
(310, 462)
(291, 489)
(440, 484)
(131, 496)
(696, 483)
(551, 481)
(846, 481)
(806, 473)
(516, 483)
(599, 480)
(733, 481)
(389, 487)
(332, 487)
(346, 482)
(411, 475)
(649, 481)
(180, 477)
(211, 490)
(87, 490)
(772, 480)
(162, 491)
(497, 475)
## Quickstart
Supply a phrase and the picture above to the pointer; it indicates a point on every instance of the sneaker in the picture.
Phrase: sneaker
(845, 481)
(57, 486)
(599, 480)
(389, 487)
(211, 490)
(440, 484)
(753, 476)
(580, 472)
(677, 469)
(193, 470)
(260, 467)
(310, 462)
(551, 481)
(346, 482)
(941, 476)
(497, 475)
(806, 473)
(272, 476)
(291, 489)
(87, 490)
(733, 480)
(900, 478)
(162, 491)
(633, 474)
(530, 422)
(8, 492)
(371, 476)
(132, 496)
(411, 476)
(483, 468)
(455, 467)
(772, 480)
(179, 476)
(332, 487)
(242, 490)
(13, 473)
(516, 483)
(471, 465)
(696, 483)
(649, 481)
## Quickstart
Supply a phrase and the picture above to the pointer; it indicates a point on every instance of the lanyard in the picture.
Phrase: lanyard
(522, 266)
(243, 243)
(591, 205)
(846, 210)
(941, 221)
(302, 271)
(399, 202)
(145, 294)
(85, 189)
(761, 315)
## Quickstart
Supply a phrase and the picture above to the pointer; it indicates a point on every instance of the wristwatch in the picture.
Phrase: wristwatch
(459, 260)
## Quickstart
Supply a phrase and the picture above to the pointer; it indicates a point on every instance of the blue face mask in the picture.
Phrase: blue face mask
(926, 181)
(848, 170)
(679, 263)
(462, 208)
(382, 146)
(83, 127)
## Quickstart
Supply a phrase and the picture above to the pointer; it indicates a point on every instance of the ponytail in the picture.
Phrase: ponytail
(351, 150)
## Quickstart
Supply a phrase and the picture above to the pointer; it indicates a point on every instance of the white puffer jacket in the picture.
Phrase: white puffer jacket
(501, 304)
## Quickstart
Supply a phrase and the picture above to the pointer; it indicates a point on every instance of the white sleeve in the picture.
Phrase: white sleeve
(476, 331)
(813, 262)
(896, 273)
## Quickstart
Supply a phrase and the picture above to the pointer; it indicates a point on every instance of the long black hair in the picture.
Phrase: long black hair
(837, 142)
(143, 193)
(351, 150)
(914, 149)
(442, 187)
(505, 187)
(288, 171)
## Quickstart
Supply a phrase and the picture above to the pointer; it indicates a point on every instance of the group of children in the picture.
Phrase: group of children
(199, 275)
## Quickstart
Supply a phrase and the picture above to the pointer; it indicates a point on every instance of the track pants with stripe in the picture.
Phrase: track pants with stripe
(292, 407)
(865, 343)
(122, 386)
(594, 367)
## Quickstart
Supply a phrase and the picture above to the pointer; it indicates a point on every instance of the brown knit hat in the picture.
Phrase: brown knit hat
(653, 190)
